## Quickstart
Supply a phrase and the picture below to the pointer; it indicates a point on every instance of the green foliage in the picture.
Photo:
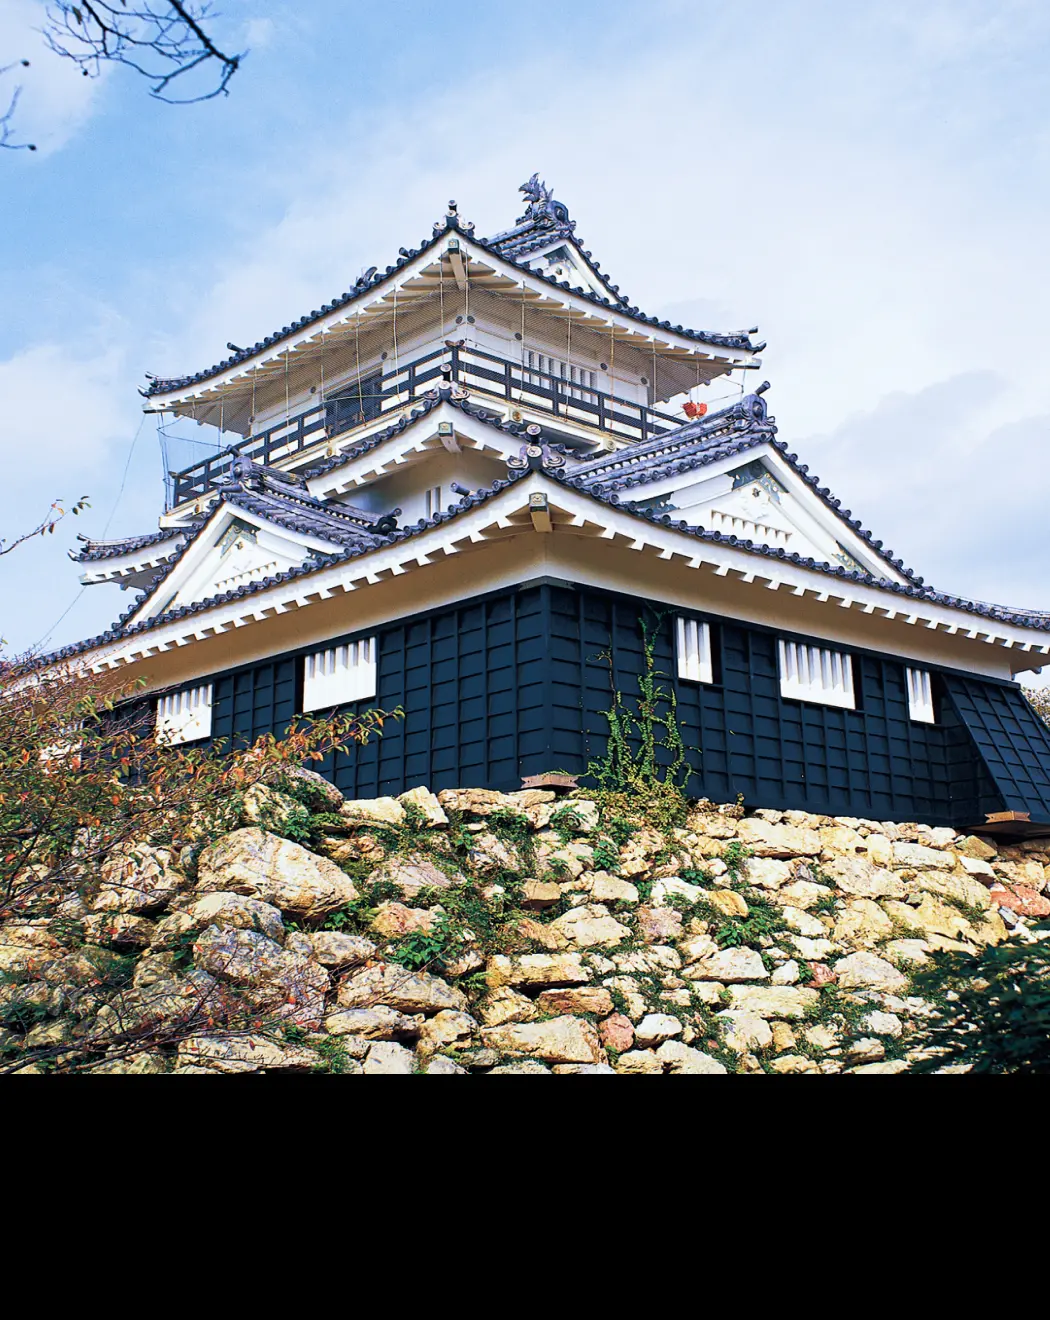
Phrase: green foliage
(422, 948)
(761, 921)
(22, 1014)
(382, 891)
(333, 1056)
(734, 855)
(992, 1011)
(650, 722)
(513, 828)
(566, 822)
(619, 829)
(606, 855)
(183, 950)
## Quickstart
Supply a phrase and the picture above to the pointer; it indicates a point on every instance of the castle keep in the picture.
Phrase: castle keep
(477, 481)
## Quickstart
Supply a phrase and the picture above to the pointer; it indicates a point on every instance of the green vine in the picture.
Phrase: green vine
(654, 725)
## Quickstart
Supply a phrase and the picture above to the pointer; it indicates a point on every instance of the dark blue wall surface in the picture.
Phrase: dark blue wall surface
(516, 683)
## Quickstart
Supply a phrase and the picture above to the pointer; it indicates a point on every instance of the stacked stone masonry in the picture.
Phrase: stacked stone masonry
(475, 932)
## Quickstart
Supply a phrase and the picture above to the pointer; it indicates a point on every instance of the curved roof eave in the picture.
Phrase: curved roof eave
(123, 629)
(174, 388)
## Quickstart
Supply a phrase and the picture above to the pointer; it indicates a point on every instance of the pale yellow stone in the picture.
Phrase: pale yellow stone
(773, 1001)
(879, 849)
(559, 1040)
(794, 1063)
(783, 1037)
(539, 894)
(838, 839)
(920, 857)
(863, 922)
(591, 926)
(975, 847)
(261, 865)
(425, 802)
(728, 902)
(606, 888)
(380, 811)
(538, 969)
(766, 872)
(769, 840)
(802, 894)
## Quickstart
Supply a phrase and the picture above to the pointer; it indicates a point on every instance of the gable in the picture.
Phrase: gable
(565, 263)
(230, 552)
(762, 499)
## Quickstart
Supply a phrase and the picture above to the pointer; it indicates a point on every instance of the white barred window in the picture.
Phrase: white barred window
(566, 376)
(184, 716)
(340, 674)
(433, 501)
(814, 673)
(920, 696)
(694, 650)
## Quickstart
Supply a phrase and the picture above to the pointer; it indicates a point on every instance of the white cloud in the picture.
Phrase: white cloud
(858, 188)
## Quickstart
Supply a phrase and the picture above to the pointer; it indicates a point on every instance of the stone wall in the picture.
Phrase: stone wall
(478, 932)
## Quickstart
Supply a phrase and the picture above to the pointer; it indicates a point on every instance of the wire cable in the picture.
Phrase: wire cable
(112, 514)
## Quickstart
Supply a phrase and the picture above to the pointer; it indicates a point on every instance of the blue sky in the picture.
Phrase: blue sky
(866, 183)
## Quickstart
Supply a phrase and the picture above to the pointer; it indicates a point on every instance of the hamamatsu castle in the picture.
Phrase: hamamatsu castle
(464, 485)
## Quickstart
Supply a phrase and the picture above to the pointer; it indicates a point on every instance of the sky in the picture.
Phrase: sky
(868, 184)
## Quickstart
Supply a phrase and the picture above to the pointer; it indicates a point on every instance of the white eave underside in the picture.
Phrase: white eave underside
(422, 278)
(574, 514)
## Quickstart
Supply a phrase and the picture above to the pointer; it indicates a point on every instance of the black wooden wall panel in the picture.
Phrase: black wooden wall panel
(519, 682)
(472, 683)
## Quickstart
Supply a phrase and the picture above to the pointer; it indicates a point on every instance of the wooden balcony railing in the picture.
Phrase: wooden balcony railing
(484, 374)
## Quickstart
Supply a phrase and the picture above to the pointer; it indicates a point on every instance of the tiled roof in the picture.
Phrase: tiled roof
(742, 426)
(95, 550)
(284, 498)
(445, 394)
(119, 631)
(367, 283)
(693, 444)
(280, 498)
(914, 589)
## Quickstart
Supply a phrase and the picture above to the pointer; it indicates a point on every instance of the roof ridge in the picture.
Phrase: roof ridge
(373, 278)
(914, 589)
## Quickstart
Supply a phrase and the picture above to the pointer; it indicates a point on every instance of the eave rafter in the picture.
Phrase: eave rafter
(431, 276)
(509, 513)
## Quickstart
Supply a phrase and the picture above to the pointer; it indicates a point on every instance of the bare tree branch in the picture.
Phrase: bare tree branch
(6, 131)
(46, 525)
(163, 40)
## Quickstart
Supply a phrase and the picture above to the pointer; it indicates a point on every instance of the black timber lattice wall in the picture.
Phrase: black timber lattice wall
(517, 682)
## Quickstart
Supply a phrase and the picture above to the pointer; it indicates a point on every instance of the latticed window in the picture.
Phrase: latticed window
(694, 650)
(577, 382)
(815, 673)
(184, 716)
(920, 696)
(340, 674)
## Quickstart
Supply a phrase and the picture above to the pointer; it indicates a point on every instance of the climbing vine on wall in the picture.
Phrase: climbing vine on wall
(641, 728)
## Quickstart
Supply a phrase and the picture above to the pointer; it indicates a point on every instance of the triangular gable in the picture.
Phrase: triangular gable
(447, 422)
(728, 473)
(234, 548)
(412, 277)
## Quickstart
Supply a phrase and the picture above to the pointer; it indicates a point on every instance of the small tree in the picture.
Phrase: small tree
(1039, 700)
(992, 1012)
(84, 780)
